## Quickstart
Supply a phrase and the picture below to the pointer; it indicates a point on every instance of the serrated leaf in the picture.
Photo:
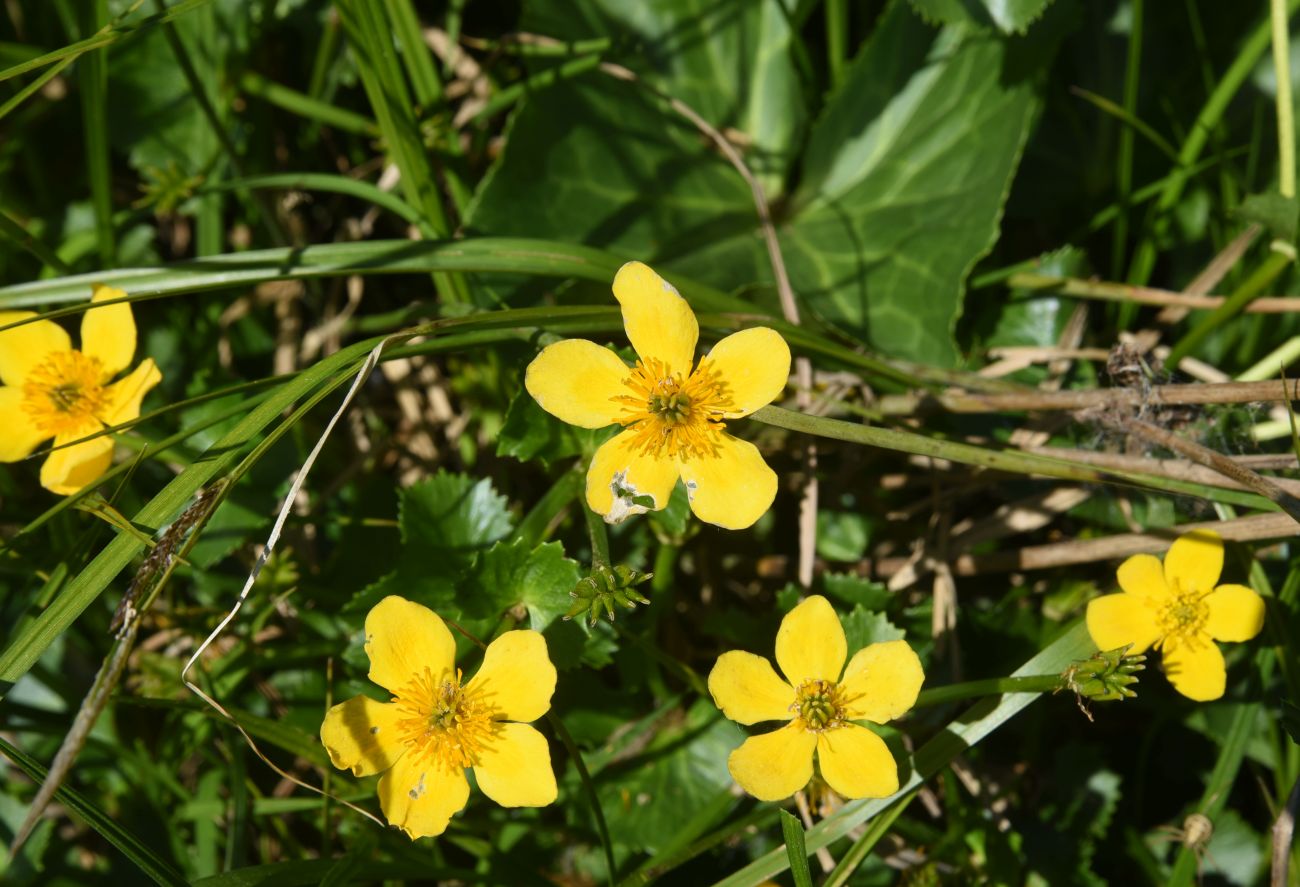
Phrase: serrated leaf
(862, 628)
(453, 517)
(854, 590)
(513, 573)
(842, 535)
(445, 521)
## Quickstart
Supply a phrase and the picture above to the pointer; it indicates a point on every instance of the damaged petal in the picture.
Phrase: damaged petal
(627, 499)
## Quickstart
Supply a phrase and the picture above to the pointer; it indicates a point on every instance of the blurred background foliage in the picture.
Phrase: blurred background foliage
(284, 177)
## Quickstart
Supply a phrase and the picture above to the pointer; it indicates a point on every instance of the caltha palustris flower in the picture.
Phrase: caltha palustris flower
(437, 725)
(819, 700)
(673, 416)
(1179, 608)
(52, 390)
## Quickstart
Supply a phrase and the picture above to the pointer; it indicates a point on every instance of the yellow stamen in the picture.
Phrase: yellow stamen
(445, 723)
(65, 394)
(673, 418)
(818, 706)
(1182, 617)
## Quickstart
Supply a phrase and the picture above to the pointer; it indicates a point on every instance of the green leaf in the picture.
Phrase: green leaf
(842, 535)
(731, 63)
(862, 628)
(792, 832)
(677, 787)
(854, 590)
(451, 517)
(149, 862)
(530, 432)
(904, 180)
(514, 573)
(1009, 16)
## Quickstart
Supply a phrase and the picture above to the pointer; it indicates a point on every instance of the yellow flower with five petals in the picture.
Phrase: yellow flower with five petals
(819, 699)
(672, 416)
(436, 726)
(52, 390)
(1179, 608)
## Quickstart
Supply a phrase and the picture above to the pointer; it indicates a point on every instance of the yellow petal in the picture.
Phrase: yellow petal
(882, 681)
(747, 689)
(1236, 613)
(23, 347)
(71, 469)
(1118, 619)
(124, 395)
(619, 475)
(402, 639)
(109, 333)
(20, 434)
(361, 735)
(1196, 669)
(754, 364)
(1195, 561)
(1143, 576)
(731, 489)
(810, 643)
(517, 678)
(576, 381)
(774, 765)
(419, 797)
(857, 763)
(659, 323)
(515, 768)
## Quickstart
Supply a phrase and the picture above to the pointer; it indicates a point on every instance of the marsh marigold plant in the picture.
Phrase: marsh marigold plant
(819, 700)
(52, 390)
(1179, 608)
(436, 726)
(673, 416)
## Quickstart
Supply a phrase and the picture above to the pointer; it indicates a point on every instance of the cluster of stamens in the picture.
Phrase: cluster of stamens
(65, 394)
(1182, 616)
(672, 417)
(444, 723)
(818, 706)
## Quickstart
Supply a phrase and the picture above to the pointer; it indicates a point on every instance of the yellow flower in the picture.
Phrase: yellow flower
(52, 390)
(436, 726)
(880, 684)
(673, 417)
(1177, 608)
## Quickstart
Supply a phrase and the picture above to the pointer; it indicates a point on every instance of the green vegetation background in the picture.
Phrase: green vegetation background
(233, 165)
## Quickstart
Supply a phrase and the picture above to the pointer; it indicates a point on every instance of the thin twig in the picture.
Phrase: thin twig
(1178, 469)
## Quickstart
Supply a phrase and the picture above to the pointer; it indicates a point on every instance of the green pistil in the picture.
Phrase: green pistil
(65, 397)
(673, 407)
(818, 705)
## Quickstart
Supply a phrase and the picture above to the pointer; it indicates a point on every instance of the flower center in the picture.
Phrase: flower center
(672, 417)
(444, 722)
(818, 706)
(1182, 617)
(64, 394)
